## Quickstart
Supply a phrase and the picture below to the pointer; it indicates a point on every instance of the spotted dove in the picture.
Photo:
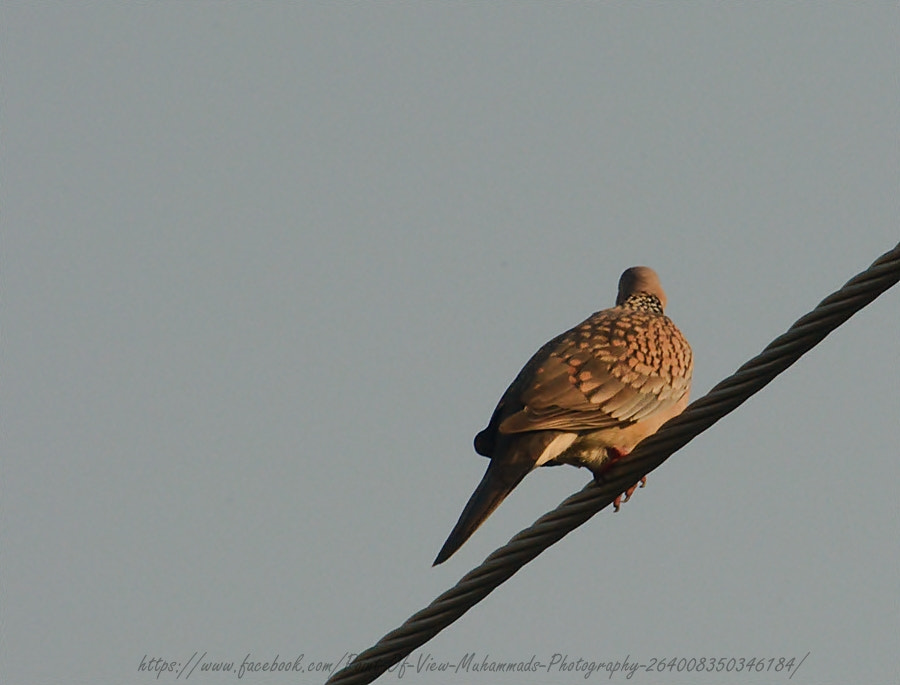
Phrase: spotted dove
(586, 398)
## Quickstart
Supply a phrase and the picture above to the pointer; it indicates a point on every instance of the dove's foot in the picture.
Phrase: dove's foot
(614, 456)
(625, 496)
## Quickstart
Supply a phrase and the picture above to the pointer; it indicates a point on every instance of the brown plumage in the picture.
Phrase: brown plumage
(585, 398)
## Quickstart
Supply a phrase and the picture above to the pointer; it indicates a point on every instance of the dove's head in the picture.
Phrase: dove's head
(640, 279)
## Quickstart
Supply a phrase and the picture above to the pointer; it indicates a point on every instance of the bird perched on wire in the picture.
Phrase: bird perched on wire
(586, 398)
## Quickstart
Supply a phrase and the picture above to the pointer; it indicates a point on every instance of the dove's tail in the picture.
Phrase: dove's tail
(499, 480)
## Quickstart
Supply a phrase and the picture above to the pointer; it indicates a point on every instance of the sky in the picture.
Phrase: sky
(267, 268)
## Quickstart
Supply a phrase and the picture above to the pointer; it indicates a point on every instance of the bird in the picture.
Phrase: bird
(585, 398)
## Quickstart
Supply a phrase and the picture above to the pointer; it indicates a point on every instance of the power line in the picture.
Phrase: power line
(724, 398)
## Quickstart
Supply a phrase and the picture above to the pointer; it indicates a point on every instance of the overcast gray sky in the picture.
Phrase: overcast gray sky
(267, 268)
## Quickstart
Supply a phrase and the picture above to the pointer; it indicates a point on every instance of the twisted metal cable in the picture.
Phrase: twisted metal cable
(724, 398)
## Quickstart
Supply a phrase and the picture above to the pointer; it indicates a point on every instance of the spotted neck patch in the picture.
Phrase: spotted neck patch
(644, 302)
